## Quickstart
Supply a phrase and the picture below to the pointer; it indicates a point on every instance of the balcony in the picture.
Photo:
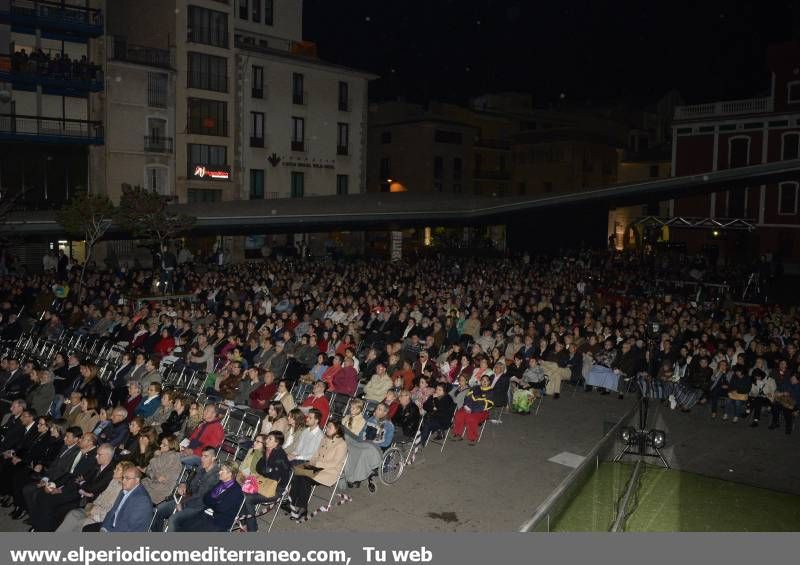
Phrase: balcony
(481, 174)
(130, 53)
(69, 78)
(155, 144)
(298, 145)
(50, 130)
(300, 98)
(53, 16)
(345, 104)
(729, 108)
(499, 144)
(342, 150)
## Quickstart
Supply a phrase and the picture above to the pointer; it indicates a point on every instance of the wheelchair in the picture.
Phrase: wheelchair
(396, 458)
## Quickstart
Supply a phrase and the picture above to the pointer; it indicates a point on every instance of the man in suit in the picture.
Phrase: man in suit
(26, 492)
(21, 441)
(133, 509)
(89, 477)
(12, 430)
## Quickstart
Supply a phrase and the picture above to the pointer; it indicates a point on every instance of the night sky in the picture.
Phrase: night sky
(593, 52)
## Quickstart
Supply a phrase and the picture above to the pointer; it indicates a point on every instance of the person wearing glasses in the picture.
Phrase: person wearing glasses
(132, 510)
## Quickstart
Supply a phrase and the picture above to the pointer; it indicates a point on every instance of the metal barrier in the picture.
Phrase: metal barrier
(549, 510)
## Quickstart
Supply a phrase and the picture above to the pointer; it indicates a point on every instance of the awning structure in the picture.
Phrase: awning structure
(732, 224)
(387, 211)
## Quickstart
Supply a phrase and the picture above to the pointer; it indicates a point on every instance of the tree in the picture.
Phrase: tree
(87, 216)
(146, 214)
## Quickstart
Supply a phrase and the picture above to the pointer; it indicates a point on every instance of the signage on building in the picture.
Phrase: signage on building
(215, 172)
(396, 248)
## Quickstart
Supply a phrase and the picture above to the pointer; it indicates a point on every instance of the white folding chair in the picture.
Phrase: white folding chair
(334, 488)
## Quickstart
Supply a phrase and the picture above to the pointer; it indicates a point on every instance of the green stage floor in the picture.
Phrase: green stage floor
(676, 501)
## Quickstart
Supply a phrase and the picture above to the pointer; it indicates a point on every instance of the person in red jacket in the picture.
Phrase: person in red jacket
(208, 434)
(317, 400)
(346, 380)
(165, 345)
(260, 397)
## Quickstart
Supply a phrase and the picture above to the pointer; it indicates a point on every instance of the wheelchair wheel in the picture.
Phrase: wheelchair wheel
(392, 466)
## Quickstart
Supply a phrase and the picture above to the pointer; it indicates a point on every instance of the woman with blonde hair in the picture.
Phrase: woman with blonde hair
(354, 422)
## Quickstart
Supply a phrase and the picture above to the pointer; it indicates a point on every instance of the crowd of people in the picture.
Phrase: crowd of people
(58, 66)
(432, 344)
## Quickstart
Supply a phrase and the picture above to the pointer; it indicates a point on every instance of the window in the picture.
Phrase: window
(787, 198)
(298, 94)
(738, 152)
(793, 91)
(790, 146)
(256, 129)
(204, 195)
(212, 157)
(257, 11)
(653, 171)
(156, 179)
(298, 134)
(298, 185)
(438, 187)
(157, 90)
(342, 182)
(208, 117)
(243, 9)
(386, 168)
(258, 82)
(386, 137)
(342, 139)
(208, 72)
(256, 184)
(457, 166)
(268, 12)
(208, 27)
(438, 167)
(441, 136)
(344, 96)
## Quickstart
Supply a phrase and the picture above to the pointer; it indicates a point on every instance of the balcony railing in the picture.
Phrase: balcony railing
(46, 14)
(41, 129)
(300, 98)
(155, 144)
(493, 144)
(298, 145)
(729, 108)
(130, 53)
(69, 80)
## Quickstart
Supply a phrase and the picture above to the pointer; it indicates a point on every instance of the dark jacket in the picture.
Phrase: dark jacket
(440, 409)
(62, 462)
(407, 419)
(226, 506)
(202, 483)
(134, 516)
(276, 467)
(115, 434)
(174, 423)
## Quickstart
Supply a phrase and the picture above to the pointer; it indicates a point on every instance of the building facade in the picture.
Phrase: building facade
(257, 114)
(723, 135)
(51, 81)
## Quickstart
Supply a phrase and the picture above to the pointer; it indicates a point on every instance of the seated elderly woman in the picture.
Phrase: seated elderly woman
(322, 469)
(407, 417)
(221, 505)
(366, 452)
(265, 473)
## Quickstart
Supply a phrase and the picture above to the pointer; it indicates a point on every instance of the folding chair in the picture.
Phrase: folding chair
(339, 404)
(236, 517)
(369, 408)
(334, 488)
(274, 505)
(446, 435)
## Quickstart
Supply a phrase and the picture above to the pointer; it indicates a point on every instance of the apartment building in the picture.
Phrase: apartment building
(257, 114)
(51, 80)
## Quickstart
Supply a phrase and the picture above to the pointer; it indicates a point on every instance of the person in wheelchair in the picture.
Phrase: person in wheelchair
(528, 387)
(406, 419)
(366, 452)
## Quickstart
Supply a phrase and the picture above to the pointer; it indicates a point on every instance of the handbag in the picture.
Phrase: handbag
(733, 395)
(264, 486)
(786, 401)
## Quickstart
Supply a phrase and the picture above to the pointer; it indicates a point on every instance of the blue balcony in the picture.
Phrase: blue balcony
(55, 19)
(37, 129)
